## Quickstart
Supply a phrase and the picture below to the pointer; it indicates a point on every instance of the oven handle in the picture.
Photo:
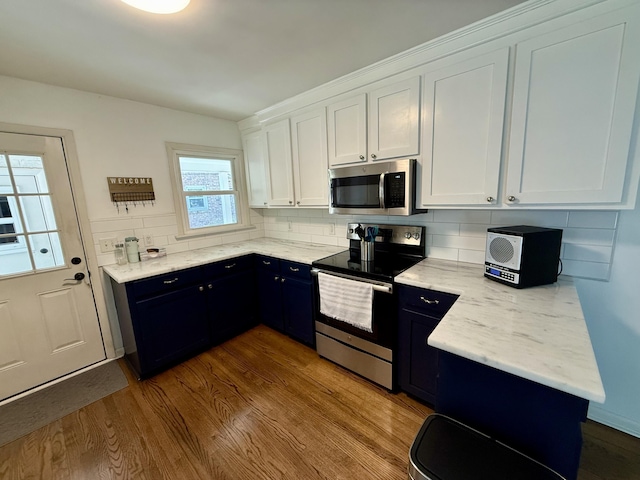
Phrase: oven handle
(377, 286)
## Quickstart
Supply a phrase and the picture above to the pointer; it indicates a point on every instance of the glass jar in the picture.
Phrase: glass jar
(120, 254)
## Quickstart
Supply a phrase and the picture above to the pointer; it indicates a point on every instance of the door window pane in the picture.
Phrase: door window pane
(47, 251)
(29, 174)
(38, 213)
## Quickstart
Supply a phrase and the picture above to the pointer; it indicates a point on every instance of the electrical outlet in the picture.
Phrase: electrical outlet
(148, 240)
(290, 224)
(332, 229)
(107, 244)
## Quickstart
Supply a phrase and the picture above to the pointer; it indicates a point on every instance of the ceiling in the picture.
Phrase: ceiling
(223, 58)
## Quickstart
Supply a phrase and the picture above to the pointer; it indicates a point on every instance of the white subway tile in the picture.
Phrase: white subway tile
(343, 242)
(204, 242)
(235, 237)
(593, 219)
(588, 236)
(164, 230)
(450, 241)
(442, 253)
(160, 241)
(324, 240)
(116, 224)
(471, 256)
(473, 230)
(256, 234)
(575, 268)
(462, 216)
(177, 247)
(311, 212)
(588, 253)
(539, 218)
(310, 229)
(436, 228)
(299, 237)
(159, 221)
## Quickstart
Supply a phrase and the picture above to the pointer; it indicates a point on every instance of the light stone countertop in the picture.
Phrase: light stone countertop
(284, 249)
(537, 333)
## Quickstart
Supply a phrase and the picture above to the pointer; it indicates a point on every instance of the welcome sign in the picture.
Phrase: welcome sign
(131, 189)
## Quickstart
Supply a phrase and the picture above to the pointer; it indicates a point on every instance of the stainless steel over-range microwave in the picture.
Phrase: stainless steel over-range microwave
(386, 188)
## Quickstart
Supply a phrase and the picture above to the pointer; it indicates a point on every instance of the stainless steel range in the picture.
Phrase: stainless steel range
(356, 309)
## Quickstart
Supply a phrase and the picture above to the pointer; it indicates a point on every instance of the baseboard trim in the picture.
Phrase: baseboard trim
(626, 425)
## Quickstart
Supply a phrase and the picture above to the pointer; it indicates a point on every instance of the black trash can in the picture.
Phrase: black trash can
(446, 449)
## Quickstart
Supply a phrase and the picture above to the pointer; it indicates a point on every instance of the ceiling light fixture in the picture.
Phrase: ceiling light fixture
(159, 6)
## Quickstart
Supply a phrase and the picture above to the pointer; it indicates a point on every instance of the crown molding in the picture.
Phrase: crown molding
(501, 24)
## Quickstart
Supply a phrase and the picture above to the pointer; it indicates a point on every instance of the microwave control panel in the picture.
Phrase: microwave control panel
(395, 190)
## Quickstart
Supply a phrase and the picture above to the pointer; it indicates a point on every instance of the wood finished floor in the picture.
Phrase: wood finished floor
(261, 406)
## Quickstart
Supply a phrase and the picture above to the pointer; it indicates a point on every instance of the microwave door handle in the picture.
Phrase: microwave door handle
(381, 190)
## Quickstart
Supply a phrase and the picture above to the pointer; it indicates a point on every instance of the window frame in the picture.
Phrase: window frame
(177, 150)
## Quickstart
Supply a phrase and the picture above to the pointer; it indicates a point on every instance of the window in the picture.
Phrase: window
(208, 188)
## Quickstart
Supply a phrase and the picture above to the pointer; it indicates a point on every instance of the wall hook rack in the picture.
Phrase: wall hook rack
(125, 191)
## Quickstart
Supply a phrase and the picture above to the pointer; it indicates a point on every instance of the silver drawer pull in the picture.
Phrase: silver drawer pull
(294, 269)
(430, 302)
(265, 262)
(230, 266)
(169, 282)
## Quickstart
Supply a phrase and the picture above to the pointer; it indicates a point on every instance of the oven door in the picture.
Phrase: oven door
(384, 314)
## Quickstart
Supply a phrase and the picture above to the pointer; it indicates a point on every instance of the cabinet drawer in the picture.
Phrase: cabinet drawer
(268, 263)
(226, 267)
(428, 302)
(296, 270)
(166, 282)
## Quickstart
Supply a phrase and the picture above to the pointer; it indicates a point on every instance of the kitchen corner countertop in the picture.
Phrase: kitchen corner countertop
(537, 333)
(284, 249)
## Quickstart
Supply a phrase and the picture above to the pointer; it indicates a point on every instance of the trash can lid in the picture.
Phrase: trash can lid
(446, 449)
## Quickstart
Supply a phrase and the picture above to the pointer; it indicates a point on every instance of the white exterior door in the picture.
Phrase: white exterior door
(48, 320)
(463, 123)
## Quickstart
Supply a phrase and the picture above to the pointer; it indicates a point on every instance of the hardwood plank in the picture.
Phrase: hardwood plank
(260, 406)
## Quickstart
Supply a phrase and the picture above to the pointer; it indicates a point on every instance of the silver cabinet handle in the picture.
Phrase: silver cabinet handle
(373, 156)
(430, 302)
(298, 202)
(265, 203)
(294, 269)
(282, 280)
(210, 287)
(489, 199)
(230, 266)
(276, 278)
(201, 288)
(290, 202)
(265, 262)
(361, 157)
(511, 198)
(169, 282)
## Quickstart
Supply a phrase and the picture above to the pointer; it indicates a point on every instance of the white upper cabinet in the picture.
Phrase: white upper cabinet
(573, 106)
(277, 147)
(347, 131)
(309, 145)
(463, 116)
(394, 120)
(254, 164)
(389, 129)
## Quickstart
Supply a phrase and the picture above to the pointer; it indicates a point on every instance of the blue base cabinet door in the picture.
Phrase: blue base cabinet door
(298, 309)
(270, 298)
(171, 326)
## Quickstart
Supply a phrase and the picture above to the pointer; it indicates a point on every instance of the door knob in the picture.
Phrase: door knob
(78, 277)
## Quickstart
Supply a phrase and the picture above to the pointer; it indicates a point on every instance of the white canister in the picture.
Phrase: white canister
(131, 245)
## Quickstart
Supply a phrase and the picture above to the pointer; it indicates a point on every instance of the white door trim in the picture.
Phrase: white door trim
(73, 165)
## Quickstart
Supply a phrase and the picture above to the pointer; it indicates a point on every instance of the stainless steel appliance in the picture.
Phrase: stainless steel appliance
(523, 256)
(386, 188)
(371, 354)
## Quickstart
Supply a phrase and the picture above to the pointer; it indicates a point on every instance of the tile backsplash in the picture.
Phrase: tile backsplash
(587, 242)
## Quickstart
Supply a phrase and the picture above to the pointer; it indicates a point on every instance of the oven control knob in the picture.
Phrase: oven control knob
(416, 236)
(407, 235)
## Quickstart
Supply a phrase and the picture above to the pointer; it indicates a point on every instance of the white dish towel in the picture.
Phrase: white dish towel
(346, 300)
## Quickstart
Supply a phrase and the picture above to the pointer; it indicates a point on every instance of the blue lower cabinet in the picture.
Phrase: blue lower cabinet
(297, 300)
(231, 305)
(172, 326)
(419, 312)
(285, 296)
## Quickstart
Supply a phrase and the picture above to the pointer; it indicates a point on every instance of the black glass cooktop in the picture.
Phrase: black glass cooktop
(384, 267)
